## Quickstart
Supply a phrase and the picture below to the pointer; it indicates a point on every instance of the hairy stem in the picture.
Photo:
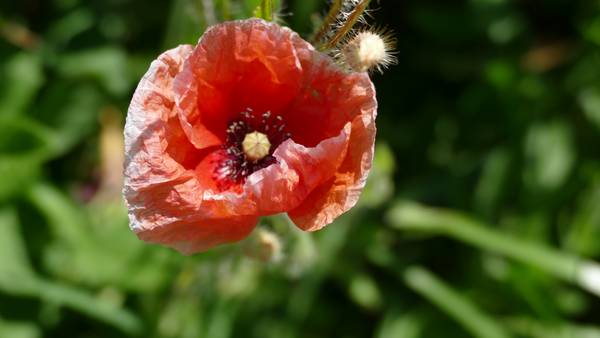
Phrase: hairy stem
(266, 7)
(349, 24)
(334, 11)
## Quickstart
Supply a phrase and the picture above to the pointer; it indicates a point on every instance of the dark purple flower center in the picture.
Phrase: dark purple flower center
(236, 165)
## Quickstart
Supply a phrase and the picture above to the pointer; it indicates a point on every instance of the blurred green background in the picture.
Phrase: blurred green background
(481, 216)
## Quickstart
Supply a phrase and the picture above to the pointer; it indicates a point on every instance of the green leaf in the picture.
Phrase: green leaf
(71, 111)
(16, 274)
(24, 146)
(364, 291)
(19, 329)
(550, 156)
(474, 320)
(107, 65)
(18, 278)
(66, 221)
(415, 217)
(66, 28)
(87, 304)
(187, 22)
(21, 136)
(97, 250)
(529, 327)
(18, 172)
(22, 77)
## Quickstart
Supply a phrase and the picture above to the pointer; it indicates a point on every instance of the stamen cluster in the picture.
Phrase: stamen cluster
(236, 165)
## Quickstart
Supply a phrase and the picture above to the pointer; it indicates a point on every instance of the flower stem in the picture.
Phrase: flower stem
(226, 10)
(568, 267)
(352, 19)
(334, 11)
(265, 10)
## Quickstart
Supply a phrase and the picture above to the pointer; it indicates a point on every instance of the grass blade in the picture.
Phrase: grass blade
(455, 305)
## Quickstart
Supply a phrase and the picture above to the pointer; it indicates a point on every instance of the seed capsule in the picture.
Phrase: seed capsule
(256, 146)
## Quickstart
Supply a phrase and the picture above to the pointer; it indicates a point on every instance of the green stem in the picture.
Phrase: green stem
(266, 9)
(478, 323)
(226, 10)
(568, 267)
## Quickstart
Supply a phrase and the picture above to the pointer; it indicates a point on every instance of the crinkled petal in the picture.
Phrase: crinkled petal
(188, 239)
(329, 98)
(147, 130)
(177, 124)
(237, 65)
(166, 201)
(282, 186)
(342, 191)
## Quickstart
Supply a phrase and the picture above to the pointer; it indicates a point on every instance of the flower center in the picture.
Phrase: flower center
(256, 146)
(249, 144)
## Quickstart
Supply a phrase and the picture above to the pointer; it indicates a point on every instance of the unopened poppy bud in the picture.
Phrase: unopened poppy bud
(369, 51)
(265, 246)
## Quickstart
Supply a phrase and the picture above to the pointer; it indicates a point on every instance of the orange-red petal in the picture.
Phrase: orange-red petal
(167, 203)
(284, 185)
(177, 123)
(341, 192)
(236, 65)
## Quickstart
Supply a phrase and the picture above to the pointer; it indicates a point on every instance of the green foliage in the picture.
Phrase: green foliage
(480, 212)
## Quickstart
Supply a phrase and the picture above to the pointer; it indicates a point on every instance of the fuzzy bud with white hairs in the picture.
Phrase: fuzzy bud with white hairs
(369, 50)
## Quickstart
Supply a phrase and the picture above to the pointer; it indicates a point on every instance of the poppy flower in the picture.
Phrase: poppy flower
(253, 121)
